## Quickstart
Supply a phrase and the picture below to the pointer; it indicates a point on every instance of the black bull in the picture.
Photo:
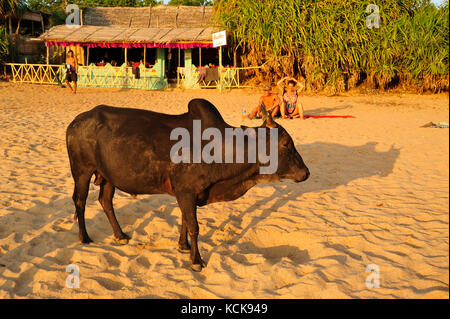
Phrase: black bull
(129, 149)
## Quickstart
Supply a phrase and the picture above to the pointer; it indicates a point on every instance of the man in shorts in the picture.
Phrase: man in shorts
(270, 101)
(71, 71)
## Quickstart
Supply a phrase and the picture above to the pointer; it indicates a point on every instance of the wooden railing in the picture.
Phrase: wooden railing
(122, 77)
(119, 77)
(229, 77)
(89, 76)
(36, 73)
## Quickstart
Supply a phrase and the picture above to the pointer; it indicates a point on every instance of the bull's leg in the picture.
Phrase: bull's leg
(105, 198)
(74, 198)
(183, 245)
(189, 214)
(79, 198)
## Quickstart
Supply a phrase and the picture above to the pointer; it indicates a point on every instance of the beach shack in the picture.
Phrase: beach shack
(24, 31)
(144, 48)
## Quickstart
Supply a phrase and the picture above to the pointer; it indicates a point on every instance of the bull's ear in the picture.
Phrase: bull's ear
(267, 117)
(270, 122)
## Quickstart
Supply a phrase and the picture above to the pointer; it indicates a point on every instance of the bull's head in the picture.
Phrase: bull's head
(290, 163)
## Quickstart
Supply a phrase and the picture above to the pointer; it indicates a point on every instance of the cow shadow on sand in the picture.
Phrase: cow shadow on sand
(331, 166)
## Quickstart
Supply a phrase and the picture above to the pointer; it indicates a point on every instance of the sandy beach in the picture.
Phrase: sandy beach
(378, 195)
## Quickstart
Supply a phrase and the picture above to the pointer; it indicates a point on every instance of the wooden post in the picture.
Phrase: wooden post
(149, 16)
(42, 23)
(48, 54)
(161, 62)
(220, 69)
(145, 54)
(234, 59)
(200, 56)
(87, 56)
(188, 58)
(126, 57)
(179, 57)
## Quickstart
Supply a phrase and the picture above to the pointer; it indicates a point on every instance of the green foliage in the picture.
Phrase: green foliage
(57, 7)
(51, 5)
(57, 17)
(11, 8)
(4, 45)
(190, 2)
(115, 3)
(328, 43)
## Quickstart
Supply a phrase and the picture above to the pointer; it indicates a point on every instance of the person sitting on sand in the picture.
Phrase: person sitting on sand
(291, 106)
(270, 101)
(71, 71)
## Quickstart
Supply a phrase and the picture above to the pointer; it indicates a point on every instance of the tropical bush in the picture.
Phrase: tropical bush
(328, 45)
(4, 45)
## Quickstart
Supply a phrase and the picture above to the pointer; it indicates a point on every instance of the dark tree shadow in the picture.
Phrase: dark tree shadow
(326, 110)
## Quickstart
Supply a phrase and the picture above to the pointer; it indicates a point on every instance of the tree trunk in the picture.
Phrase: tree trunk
(18, 26)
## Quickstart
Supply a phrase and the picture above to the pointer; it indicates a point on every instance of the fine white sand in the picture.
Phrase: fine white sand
(378, 194)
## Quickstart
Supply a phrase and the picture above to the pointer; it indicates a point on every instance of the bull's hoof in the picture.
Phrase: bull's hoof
(196, 267)
(123, 239)
(184, 249)
(86, 240)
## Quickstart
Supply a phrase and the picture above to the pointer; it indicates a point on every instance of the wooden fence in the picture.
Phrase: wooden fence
(120, 77)
(36, 73)
(89, 76)
(229, 77)
(123, 76)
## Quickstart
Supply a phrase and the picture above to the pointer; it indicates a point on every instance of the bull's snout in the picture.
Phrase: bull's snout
(303, 176)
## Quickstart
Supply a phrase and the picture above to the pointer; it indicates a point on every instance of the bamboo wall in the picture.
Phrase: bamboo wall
(78, 52)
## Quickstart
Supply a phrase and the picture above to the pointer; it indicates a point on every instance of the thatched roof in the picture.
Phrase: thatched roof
(117, 34)
(159, 24)
(160, 16)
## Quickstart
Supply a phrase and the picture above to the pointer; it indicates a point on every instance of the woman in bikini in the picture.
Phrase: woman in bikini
(291, 106)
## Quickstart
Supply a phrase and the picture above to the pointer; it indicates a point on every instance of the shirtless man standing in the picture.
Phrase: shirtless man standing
(269, 100)
(71, 71)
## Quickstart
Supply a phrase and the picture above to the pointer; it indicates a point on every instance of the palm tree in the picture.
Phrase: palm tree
(11, 8)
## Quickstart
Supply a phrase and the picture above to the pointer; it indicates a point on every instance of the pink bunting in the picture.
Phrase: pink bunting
(189, 45)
